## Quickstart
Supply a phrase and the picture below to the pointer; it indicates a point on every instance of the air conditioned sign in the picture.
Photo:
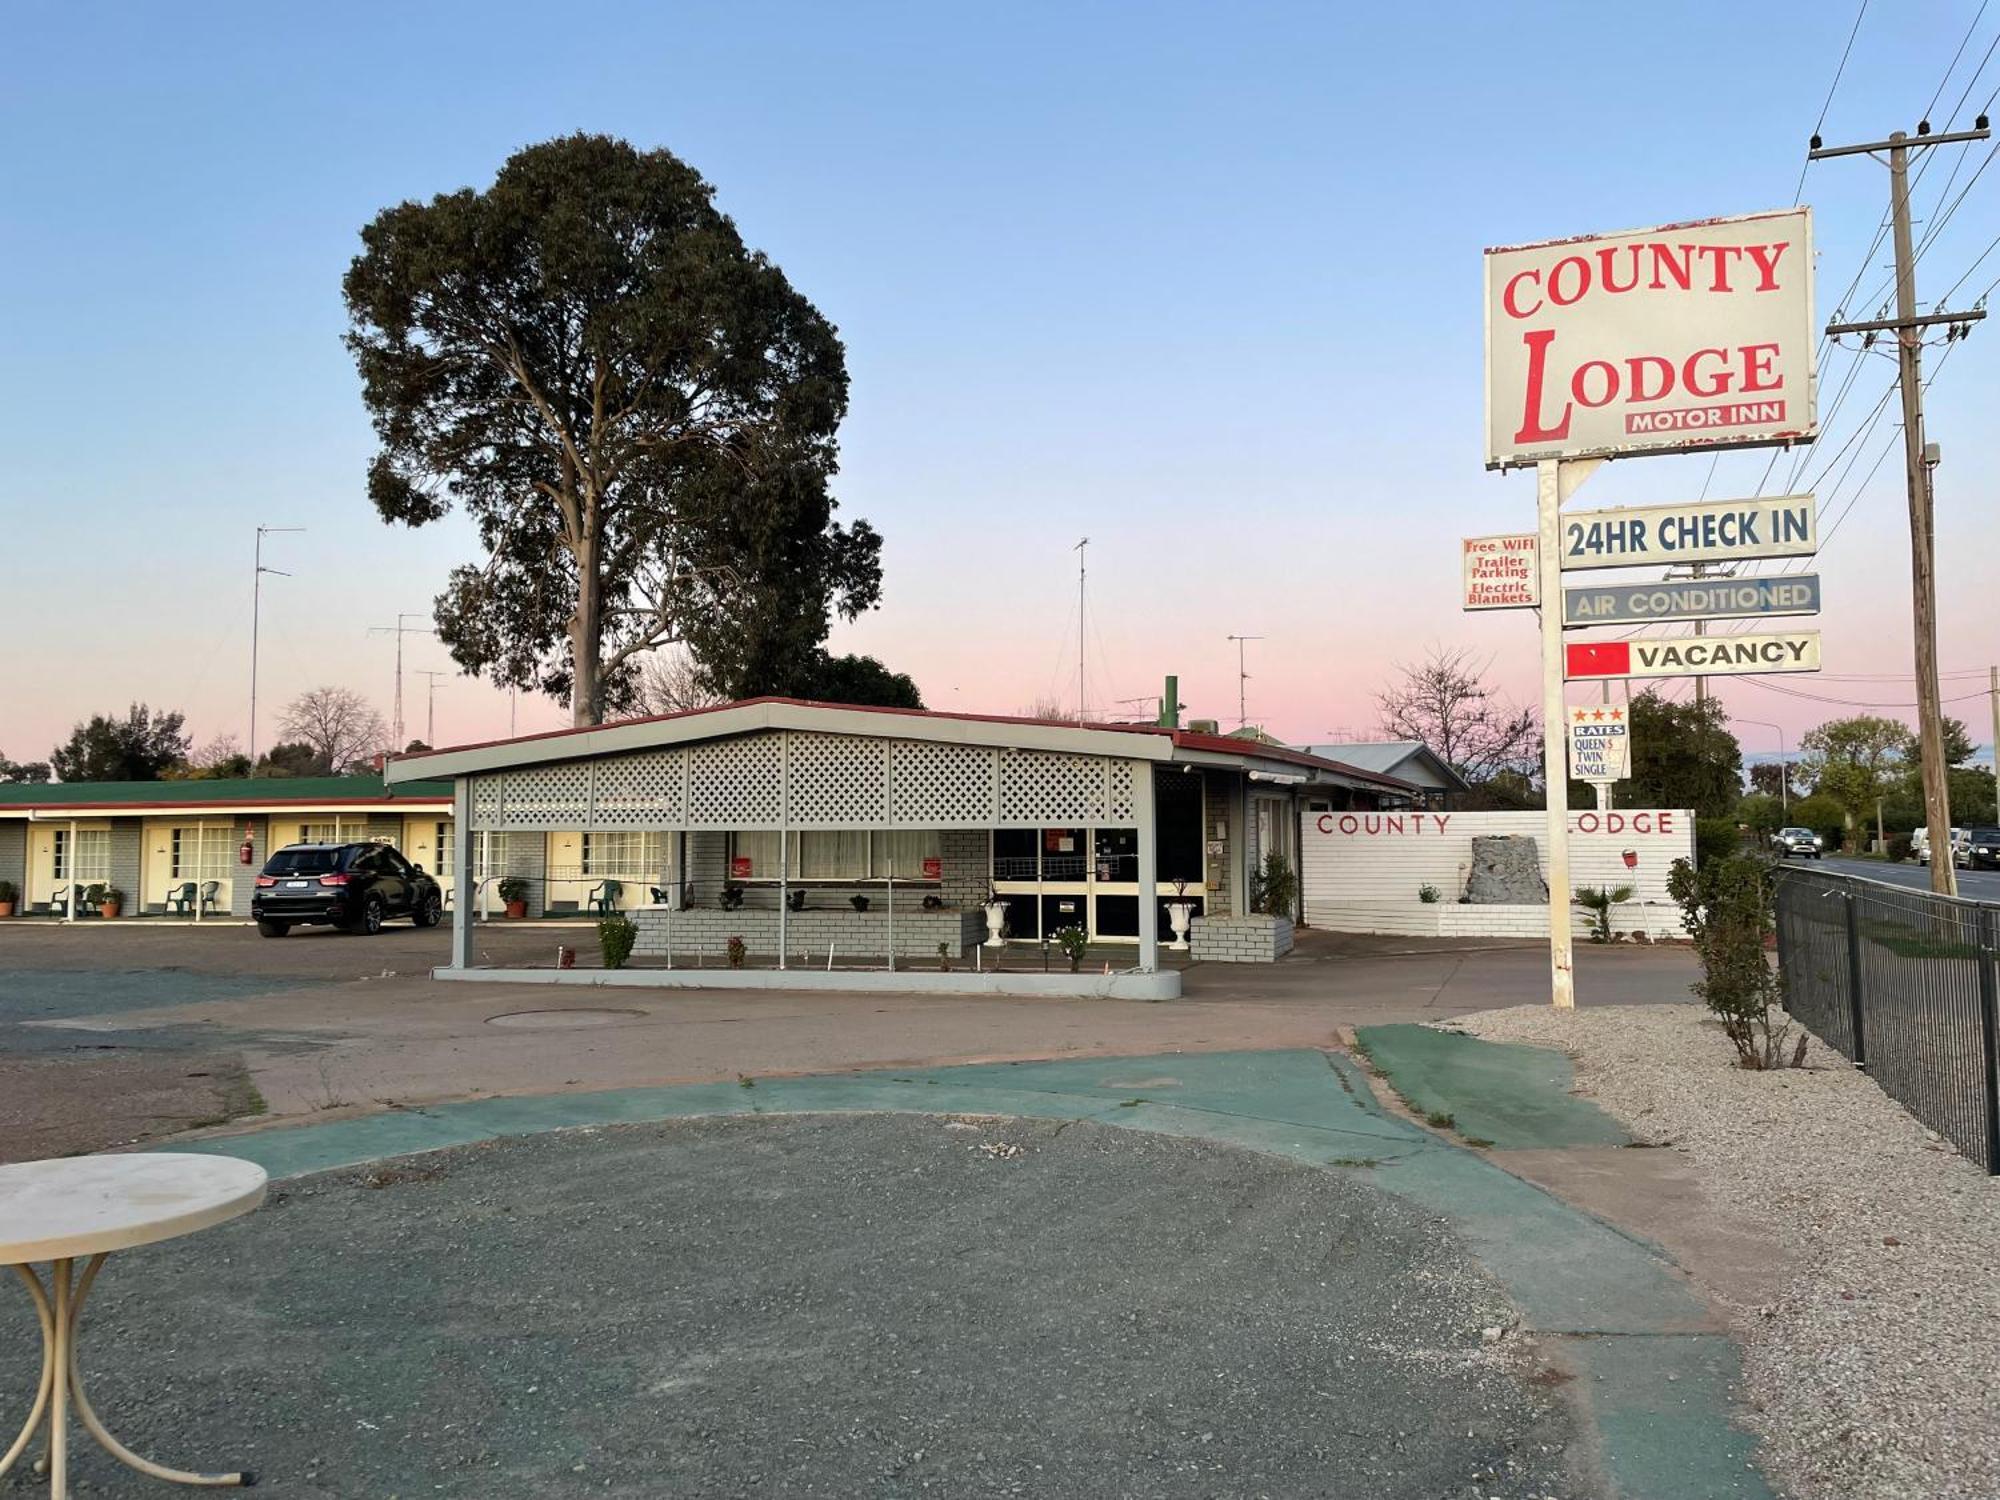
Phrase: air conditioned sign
(1706, 531)
(1695, 656)
(1691, 599)
(1501, 572)
(1600, 744)
(1652, 340)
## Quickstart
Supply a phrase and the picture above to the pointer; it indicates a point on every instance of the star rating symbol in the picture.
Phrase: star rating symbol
(1617, 714)
(1581, 715)
(1599, 715)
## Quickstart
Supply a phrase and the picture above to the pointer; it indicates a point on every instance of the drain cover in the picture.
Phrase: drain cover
(561, 1020)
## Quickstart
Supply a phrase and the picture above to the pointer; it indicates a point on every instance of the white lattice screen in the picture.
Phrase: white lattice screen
(836, 780)
(735, 783)
(833, 781)
(941, 786)
(639, 791)
(1038, 788)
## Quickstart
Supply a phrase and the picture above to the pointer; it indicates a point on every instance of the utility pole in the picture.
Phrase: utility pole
(1917, 463)
(399, 630)
(1082, 698)
(1242, 681)
(431, 707)
(1993, 693)
(1784, 763)
(256, 613)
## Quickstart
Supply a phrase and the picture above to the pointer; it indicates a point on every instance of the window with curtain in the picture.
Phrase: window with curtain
(625, 854)
(497, 855)
(840, 854)
(204, 851)
(89, 861)
(441, 849)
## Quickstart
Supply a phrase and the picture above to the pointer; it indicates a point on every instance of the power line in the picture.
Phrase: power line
(1845, 52)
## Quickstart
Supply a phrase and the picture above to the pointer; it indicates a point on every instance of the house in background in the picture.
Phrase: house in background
(1406, 760)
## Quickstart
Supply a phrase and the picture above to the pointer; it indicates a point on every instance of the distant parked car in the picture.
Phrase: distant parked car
(1800, 841)
(1920, 844)
(1981, 850)
(354, 887)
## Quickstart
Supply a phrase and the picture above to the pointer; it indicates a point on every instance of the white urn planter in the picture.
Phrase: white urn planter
(1180, 914)
(996, 923)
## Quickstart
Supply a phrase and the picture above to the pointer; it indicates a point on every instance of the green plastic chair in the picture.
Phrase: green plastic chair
(181, 898)
(211, 896)
(603, 898)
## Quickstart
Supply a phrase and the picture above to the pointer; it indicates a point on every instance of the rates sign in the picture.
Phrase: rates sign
(1652, 340)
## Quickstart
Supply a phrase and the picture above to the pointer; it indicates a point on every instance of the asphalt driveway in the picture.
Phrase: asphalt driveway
(819, 1305)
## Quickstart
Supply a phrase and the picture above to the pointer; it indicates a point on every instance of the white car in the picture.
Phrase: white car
(1920, 845)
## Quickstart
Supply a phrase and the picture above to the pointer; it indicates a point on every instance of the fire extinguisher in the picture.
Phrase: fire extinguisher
(246, 852)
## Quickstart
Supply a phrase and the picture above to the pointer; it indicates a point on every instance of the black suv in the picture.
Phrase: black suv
(354, 887)
(1982, 849)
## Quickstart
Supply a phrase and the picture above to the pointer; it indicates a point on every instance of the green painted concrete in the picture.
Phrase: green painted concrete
(1516, 1097)
(1658, 1378)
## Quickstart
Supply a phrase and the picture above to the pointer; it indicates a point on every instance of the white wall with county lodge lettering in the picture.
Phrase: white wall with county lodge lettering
(1361, 871)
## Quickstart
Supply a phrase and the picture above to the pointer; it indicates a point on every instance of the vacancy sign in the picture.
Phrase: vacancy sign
(1694, 656)
(1704, 531)
(1502, 572)
(1652, 340)
(1600, 744)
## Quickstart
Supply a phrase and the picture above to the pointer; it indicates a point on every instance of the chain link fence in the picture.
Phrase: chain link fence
(1902, 983)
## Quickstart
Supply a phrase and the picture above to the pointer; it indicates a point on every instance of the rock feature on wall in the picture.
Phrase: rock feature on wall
(1506, 871)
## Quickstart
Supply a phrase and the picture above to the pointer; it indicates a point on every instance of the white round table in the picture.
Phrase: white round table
(86, 1207)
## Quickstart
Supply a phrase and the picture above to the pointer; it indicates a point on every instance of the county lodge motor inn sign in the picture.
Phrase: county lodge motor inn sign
(1654, 339)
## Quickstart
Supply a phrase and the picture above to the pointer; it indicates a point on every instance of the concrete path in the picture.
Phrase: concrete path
(1652, 1369)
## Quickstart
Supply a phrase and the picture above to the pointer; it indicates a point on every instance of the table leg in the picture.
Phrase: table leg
(96, 1428)
(61, 1386)
(47, 1382)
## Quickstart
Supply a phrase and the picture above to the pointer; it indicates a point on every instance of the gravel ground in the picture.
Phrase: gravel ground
(867, 1305)
(1873, 1375)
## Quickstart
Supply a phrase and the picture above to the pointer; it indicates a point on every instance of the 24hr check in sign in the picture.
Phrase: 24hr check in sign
(1688, 335)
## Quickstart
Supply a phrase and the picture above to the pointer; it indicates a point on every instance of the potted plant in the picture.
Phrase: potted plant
(1073, 941)
(996, 919)
(1180, 913)
(858, 901)
(9, 894)
(514, 894)
(944, 958)
(108, 900)
(732, 896)
(737, 951)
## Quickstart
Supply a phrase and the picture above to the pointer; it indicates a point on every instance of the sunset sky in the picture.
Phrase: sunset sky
(1201, 283)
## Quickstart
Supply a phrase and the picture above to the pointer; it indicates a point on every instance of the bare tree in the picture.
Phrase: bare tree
(1049, 710)
(337, 725)
(1445, 702)
(671, 682)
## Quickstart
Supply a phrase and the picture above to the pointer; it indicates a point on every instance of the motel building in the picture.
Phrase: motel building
(826, 836)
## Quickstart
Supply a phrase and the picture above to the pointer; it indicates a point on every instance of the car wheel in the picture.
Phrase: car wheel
(274, 929)
(429, 912)
(370, 920)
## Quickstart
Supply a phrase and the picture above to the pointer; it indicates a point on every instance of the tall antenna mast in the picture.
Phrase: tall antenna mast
(256, 614)
(1242, 681)
(399, 630)
(1082, 697)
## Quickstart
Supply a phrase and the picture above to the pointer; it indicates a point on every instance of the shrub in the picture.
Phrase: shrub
(1600, 901)
(1429, 894)
(1899, 848)
(1274, 888)
(1073, 940)
(737, 952)
(1726, 905)
(8, 891)
(513, 888)
(1715, 838)
(615, 937)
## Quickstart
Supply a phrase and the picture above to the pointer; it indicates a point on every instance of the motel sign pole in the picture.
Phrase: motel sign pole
(1555, 482)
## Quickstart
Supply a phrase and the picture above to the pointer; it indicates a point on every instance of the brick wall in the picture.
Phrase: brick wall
(1451, 919)
(968, 866)
(245, 883)
(701, 937)
(1219, 792)
(127, 839)
(1252, 939)
(14, 860)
